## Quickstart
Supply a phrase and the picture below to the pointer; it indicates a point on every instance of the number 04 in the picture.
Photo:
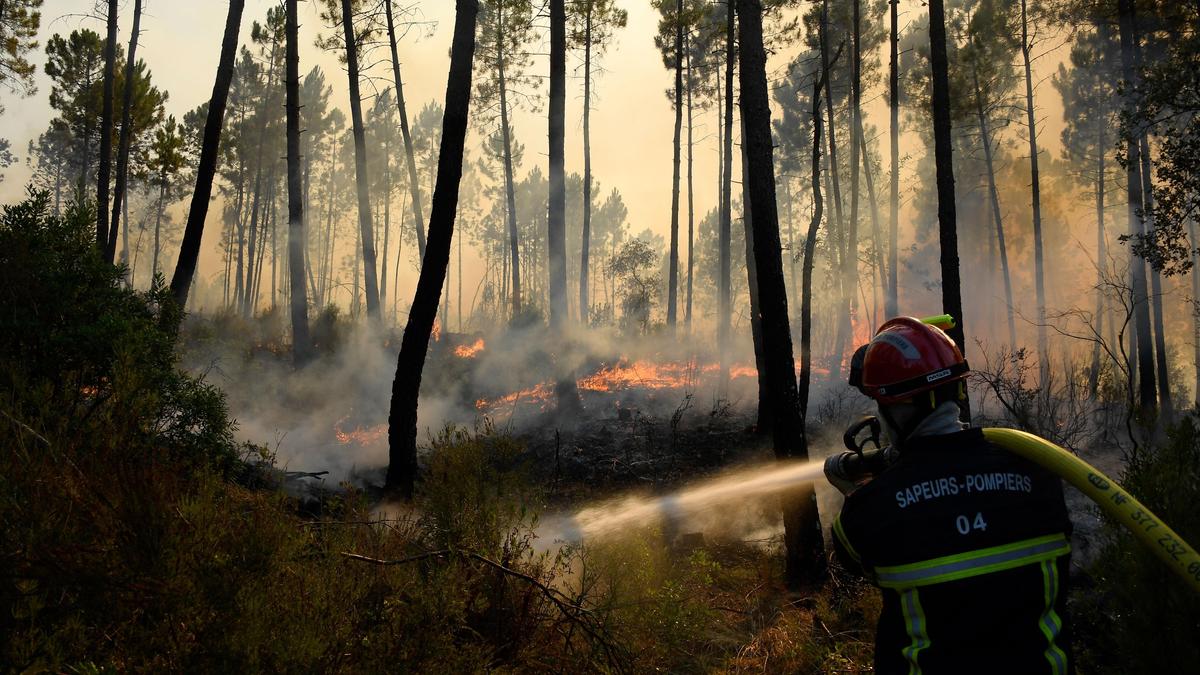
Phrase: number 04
(964, 525)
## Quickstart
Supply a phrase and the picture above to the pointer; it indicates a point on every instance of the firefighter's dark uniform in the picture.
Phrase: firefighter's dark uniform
(970, 546)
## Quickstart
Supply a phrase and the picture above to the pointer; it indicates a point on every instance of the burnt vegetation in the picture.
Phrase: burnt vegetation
(361, 365)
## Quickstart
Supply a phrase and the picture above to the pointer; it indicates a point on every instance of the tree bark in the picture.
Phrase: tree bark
(893, 292)
(106, 126)
(673, 256)
(947, 225)
(842, 317)
(126, 133)
(850, 261)
(556, 220)
(1156, 292)
(1036, 186)
(414, 183)
(802, 526)
(189, 250)
(301, 342)
(1133, 185)
(406, 388)
(360, 166)
(509, 187)
(810, 247)
(687, 313)
(1101, 265)
(764, 420)
(1195, 311)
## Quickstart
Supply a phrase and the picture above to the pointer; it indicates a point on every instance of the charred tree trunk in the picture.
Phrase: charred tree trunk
(687, 312)
(1101, 263)
(556, 221)
(299, 296)
(893, 292)
(1133, 185)
(802, 526)
(673, 256)
(189, 250)
(126, 134)
(843, 314)
(1036, 186)
(360, 166)
(414, 183)
(947, 225)
(1195, 310)
(509, 187)
(106, 126)
(406, 388)
(985, 139)
(850, 262)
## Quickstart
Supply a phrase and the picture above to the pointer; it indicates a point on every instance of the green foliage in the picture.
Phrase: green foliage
(1140, 617)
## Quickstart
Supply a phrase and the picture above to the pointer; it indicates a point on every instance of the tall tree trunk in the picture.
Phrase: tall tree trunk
(1036, 186)
(509, 187)
(1156, 291)
(162, 193)
(893, 292)
(301, 342)
(360, 166)
(673, 256)
(406, 388)
(724, 285)
(414, 183)
(106, 127)
(876, 234)
(1195, 311)
(803, 538)
(947, 224)
(556, 220)
(810, 248)
(764, 421)
(1133, 185)
(387, 219)
(586, 239)
(687, 314)
(850, 262)
(126, 133)
(985, 139)
(842, 315)
(189, 250)
(256, 207)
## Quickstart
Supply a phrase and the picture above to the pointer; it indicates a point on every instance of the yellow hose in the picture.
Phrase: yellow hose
(1112, 498)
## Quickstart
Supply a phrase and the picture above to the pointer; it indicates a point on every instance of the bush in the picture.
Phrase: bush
(1140, 617)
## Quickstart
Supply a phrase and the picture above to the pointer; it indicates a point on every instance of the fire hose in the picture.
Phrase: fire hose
(1121, 506)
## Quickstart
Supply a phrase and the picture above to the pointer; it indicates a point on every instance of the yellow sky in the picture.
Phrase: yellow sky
(632, 120)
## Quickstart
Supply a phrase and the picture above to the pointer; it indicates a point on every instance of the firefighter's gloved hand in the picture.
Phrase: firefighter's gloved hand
(841, 475)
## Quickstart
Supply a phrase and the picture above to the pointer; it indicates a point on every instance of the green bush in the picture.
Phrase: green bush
(1140, 617)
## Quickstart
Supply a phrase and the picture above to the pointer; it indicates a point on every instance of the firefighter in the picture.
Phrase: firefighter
(969, 544)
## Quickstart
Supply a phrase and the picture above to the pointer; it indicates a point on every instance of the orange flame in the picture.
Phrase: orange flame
(469, 351)
(363, 436)
(437, 330)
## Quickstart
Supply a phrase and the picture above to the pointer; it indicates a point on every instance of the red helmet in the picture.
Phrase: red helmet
(905, 358)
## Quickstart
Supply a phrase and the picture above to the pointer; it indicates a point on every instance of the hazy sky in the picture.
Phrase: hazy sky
(632, 120)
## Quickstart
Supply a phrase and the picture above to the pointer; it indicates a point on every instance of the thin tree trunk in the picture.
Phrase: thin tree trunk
(1036, 186)
(842, 317)
(1195, 311)
(360, 166)
(810, 247)
(803, 539)
(301, 342)
(893, 292)
(106, 127)
(673, 255)
(947, 225)
(556, 220)
(387, 220)
(724, 282)
(126, 135)
(189, 251)
(850, 262)
(687, 315)
(1156, 291)
(414, 183)
(586, 240)
(1133, 185)
(406, 388)
(985, 138)
(510, 190)
(162, 193)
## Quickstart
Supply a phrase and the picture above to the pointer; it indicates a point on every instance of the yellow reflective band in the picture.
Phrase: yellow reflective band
(1050, 624)
(974, 563)
(841, 535)
(918, 630)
